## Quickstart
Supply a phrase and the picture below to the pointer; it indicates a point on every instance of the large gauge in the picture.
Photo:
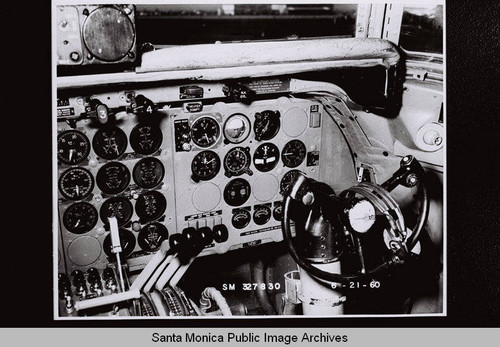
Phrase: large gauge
(151, 236)
(266, 157)
(73, 147)
(150, 205)
(148, 172)
(262, 214)
(267, 124)
(205, 132)
(237, 192)
(146, 138)
(76, 183)
(237, 162)
(236, 128)
(80, 217)
(293, 153)
(287, 180)
(119, 207)
(127, 242)
(113, 178)
(109, 142)
(205, 166)
(241, 218)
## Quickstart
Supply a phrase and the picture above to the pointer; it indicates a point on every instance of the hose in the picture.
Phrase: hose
(422, 216)
(258, 276)
(215, 295)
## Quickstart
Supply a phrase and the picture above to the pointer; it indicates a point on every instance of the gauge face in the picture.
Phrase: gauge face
(109, 142)
(148, 172)
(76, 184)
(127, 241)
(293, 153)
(266, 157)
(151, 236)
(150, 205)
(262, 214)
(237, 161)
(241, 218)
(113, 178)
(146, 138)
(237, 128)
(73, 147)
(237, 192)
(278, 211)
(287, 180)
(205, 132)
(267, 125)
(80, 218)
(205, 165)
(119, 207)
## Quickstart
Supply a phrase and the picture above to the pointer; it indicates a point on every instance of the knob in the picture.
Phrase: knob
(78, 278)
(108, 273)
(189, 234)
(93, 275)
(64, 286)
(99, 111)
(205, 236)
(221, 233)
(143, 105)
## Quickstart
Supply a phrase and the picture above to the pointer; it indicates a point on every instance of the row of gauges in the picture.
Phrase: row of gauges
(149, 239)
(112, 178)
(206, 164)
(261, 215)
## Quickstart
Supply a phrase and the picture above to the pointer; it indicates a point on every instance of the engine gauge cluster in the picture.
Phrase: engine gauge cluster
(146, 138)
(113, 178)
(148, 172)
(110, 142)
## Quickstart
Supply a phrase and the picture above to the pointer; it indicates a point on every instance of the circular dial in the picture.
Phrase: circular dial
(205, 165)
(237, 128)
(261, 214)
(76, 183)
(293, 153)
(278, 211)
(205, 132)
(237, 161)
(287, 180)
(241, 218)
(113, 178)
(148, 172)
(127, 241)
(73, 147)
(151, 236)
(266, 157)
(119, 207)
(237, 192)
(267, 125)
(80, 218)
(146, 138)
(150, 205)
(109, 142)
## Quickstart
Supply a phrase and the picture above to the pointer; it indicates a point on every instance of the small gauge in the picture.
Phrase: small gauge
(80, 218)
(261, 214)
(150, 205)
(148, 172)
(293, 153)
(267, 124)
(151, 236)
(237, 128)
(76, 184)
(205, 166)
(237, 162)
(73, 147)
(241, 218)
(146, 138)
(127, 241)
(113, 178)
(205, 132)
(278, 211)
(109, 142)
(266, 157)
(287, 180)
(237, 192)
(119, 207)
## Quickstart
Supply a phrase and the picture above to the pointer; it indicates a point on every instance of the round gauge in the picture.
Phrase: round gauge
(237, 161)
(109, 142)
(119, 207)
(293, 153)
(205, 132)
(73, 147)
(80, 217)
(237, 192)
(151, 236)
(76, 183)
(278, 211)
(261, 214)
(148, 172)
(267, 125)
(237, 128)
(127, 241)
(287, 180)
(113, 178)
(241, 218)
(266, 157)
(146, 138)
(150, 205)
(205, 166)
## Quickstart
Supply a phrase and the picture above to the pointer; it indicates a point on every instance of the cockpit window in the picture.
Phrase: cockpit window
(422, 29)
